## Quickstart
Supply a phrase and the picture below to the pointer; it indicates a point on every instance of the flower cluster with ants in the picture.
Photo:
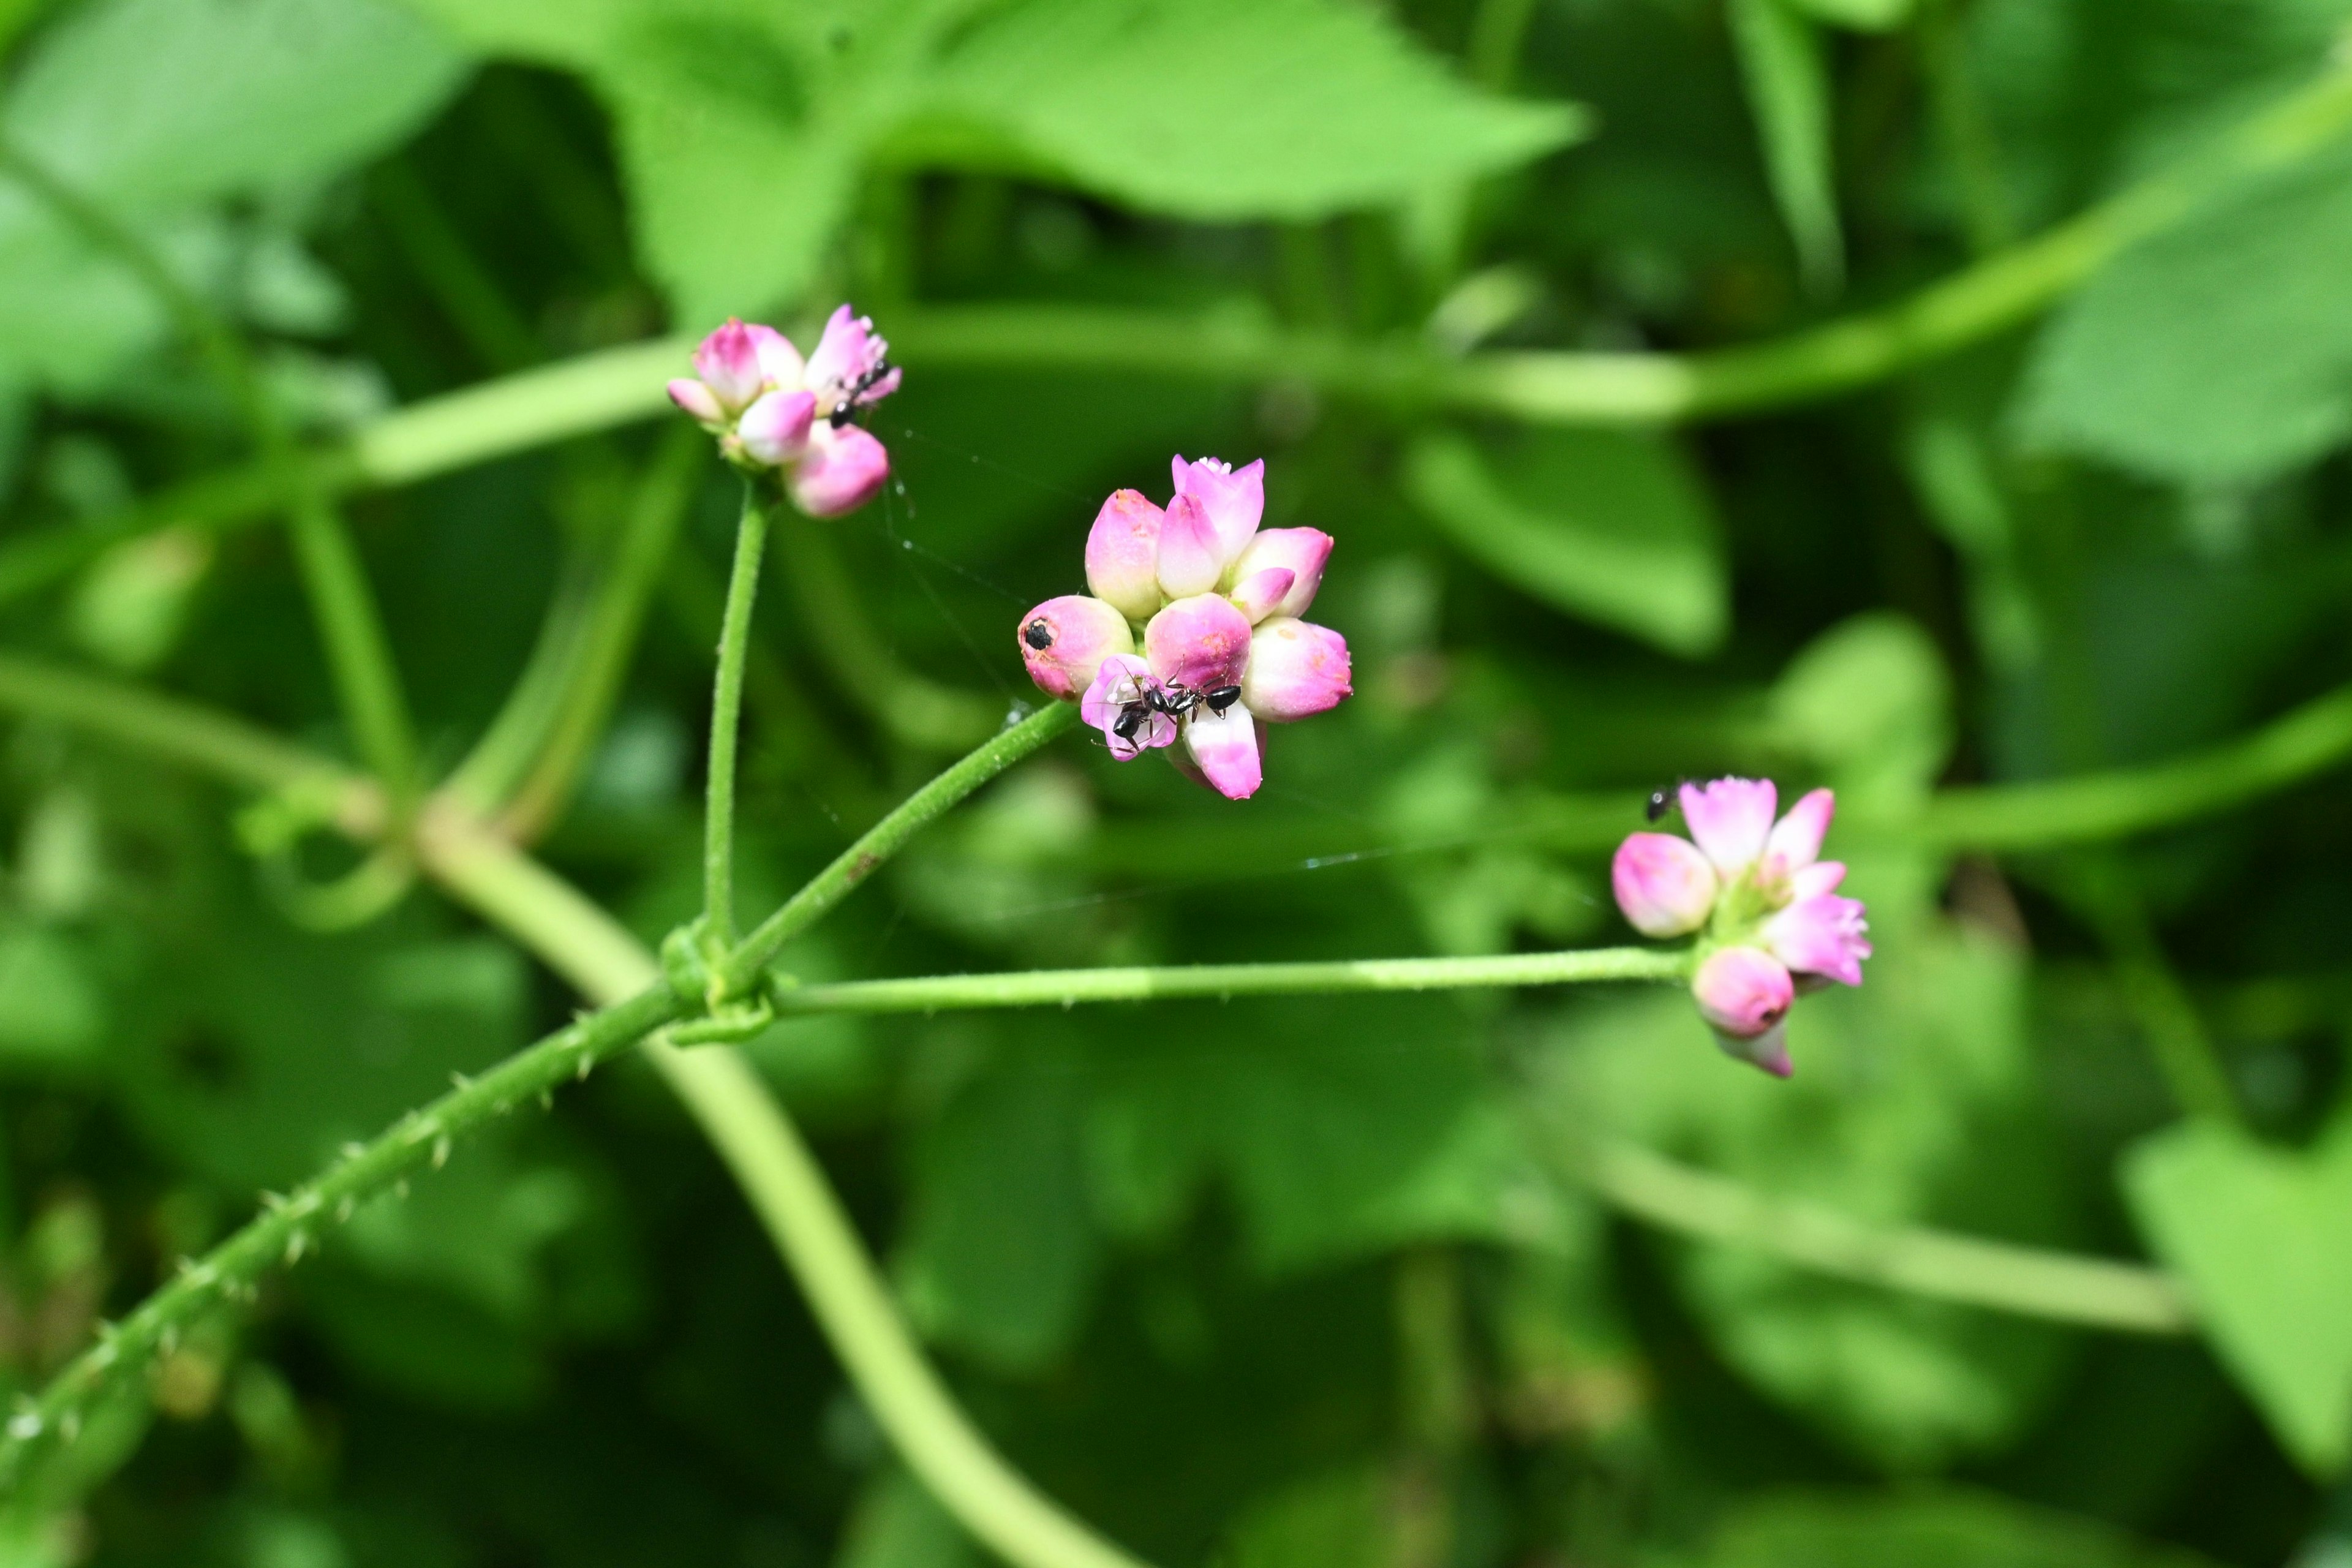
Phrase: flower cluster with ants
(775, 412)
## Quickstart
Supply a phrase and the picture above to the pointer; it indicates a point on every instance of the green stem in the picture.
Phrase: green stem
(886, 837)
(1067, 987)
(2107, 894)
(359, 655)
(288, 1228)
(2028, 1280)
(919, 713)
(726, 721)
(615, 386)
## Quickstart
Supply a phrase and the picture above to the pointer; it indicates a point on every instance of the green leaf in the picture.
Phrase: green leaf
(1869, 702)
(1002, 1254)
(2263, 1236)
(1608, 525)
(744, 127)
(1946, 1530)
(2218, 351)
(52, 1011)
(1861, 15)
(1173, 105)
(1781, 57)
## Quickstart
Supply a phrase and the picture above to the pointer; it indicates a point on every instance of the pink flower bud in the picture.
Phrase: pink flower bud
(1823, 934)
(775, 429)
(1664, 884)
(841, 471)
(1201, 642)
(1731, 819)
(779, 364)
(1296, 671)
(729, 363)
(1303, 551)
(1795, 841)
(1064, 642)
(1225, 746)
(1257, 595)
(1234, 500)
(1189, 561)
(1769, 1050)
(1117, 704)
(698, 400)
(1742, 991)
(1123, 555)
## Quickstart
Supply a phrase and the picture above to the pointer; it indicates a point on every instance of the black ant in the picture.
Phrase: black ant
(846, 408)
(1039, 635)
(1175, 699)
(1662, 801)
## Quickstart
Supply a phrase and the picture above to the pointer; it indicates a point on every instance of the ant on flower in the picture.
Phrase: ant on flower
(1173, 700)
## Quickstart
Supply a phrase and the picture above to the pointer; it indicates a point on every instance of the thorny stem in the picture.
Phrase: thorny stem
(726, 719)
(1067, 987)
(598, 390)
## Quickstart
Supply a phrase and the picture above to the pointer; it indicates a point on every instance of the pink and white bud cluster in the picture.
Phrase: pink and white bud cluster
(772, 410)
(1767, 903)
(1222, 646)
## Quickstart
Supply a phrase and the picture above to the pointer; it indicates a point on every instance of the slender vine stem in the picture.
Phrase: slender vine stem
(884, 838)
(2030, 1282)
(596, 392)
(1067, 987)
(726, 720)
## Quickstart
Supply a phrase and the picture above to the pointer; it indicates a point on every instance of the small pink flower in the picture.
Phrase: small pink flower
(1192, 556)
(1123, 555)
(698, 400)
(850, 367)
(1202, 643)
(1744, 994)
(841, 471)
(1064, 642)
(1261, 593)
(1730, 818)
(1296, 671)
(1233, 499)
(1224, 745)
(1301, 552)
(1664, 884)
(1821, 934)
(1120, 703)
(775, 429)
(728, 361)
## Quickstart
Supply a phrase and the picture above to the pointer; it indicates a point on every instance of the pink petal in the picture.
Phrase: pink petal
(1730, 818)
(1258, 595)
(779, 362)
(1123, 554)
(1064, 642)
(698, 400)
(1769, 1050)
(729, 363)
(1234, 499)
(1824, 935)
(1742, 991)
(841, 472)
(1225, 747)
(846, 355)
(775, 429)
(1295, 669)
(1201, 642)
(1303, 551)
(1188, 559)
(1795, 841)
(1811, 881)
(1664, 884)
(1123, 679)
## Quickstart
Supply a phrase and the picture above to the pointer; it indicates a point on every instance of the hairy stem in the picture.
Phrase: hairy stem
(1067, 987)
(886, 837)
(726, 721)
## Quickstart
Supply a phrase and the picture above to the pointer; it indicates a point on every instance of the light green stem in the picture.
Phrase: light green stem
(2107, 893)
(359, 655)
(2028, 1280)
(886, 837)
(1067, 987)
(726, 721)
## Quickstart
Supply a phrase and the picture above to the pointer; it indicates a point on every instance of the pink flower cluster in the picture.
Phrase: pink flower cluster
(772, 410)
(1768, 903)
(1223, 647)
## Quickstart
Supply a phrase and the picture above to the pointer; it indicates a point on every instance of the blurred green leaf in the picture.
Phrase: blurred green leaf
(1949, 1531)
(1168, 105)
(1613, 526)
(156, 108)
(2264, 1236)
(1862, 15)
(1787, 71)
(2217, 352)
(897, 1523)
(1341, 1520)
(52, 1010)
(1871, 703)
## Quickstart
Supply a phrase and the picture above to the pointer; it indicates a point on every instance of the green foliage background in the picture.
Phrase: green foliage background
(1278, 1283)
